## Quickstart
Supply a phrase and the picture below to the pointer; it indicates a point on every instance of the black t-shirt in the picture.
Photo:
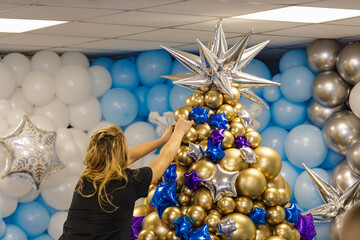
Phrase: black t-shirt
(87, 220)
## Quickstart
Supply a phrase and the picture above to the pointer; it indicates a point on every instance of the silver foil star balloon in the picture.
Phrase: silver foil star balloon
(195, 151)
(221, 183)
(226, 227)
(248, 154)
(335, 203)
(246, 118)
(32, 153)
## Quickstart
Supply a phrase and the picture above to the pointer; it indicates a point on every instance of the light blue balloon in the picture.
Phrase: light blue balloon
(42, 237)
(41, 200)
(274, 137)
(296, 57)
(296, 83)
(322, 231)
(2, 228)
(261, 114)
(151, 65)
(178, 96)
(32, 217)
(13, 232)
(289, 173)
(119, 106)
(305, 144)
(178, 68)
(124, 75)
(273, 93)
(141, 93)
(332, 159)
(305, 191)
(287, 114)
(158, 98)
(103, 61)
(259, 69)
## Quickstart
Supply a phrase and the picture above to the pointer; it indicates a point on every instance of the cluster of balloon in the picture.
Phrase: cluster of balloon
(222, 184)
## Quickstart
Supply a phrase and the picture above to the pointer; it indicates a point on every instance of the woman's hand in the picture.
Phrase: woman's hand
(183, 126)
(167, 134)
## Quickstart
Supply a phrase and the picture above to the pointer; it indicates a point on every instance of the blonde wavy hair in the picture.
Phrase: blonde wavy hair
(106, 160)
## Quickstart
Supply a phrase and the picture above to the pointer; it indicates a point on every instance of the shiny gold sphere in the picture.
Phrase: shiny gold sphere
(214, 237)
(187, 191)
(226, 205)
(276, 215)
(148, 199)
(259, 204)
(285, 196)
(152, 186)
(253, 138)
(238, 107)
(204, 168)
(215, 212)
(211, 111)
(153, 222)
(141, 210)
(283, 230)
(228, 141)
(296, 234)
(203, 145)
(202, 197)
(213, 99)
(190, 136)
(197, 99)
(180, 178)
(268, 161)
(212, 222)
(237, 128)
(234, 99)
(147, 234)
(183, 199)
(170, 214)
(182, 157)
(262, 232)
(229, 111)
(203, 131)
(197, 214)
(184, 209)
(171, 236)
(277, 182)
(271, 197)
(245, 228)
(182, 112)
(232, 161)
(243, 205)
(250, 183)
(237, 120)
(275, 238)
(188, 101)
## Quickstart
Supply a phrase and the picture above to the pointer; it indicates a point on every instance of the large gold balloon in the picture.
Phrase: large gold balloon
(171, 236)
(213, 99)
(236, 120)
(141, 210)
(237, 128)
(271, 197)
(197, 214)
(262, 232)
(182, 112)
(187, 191)
(147, 234)
(188, 101)
(296, 234)
(277, 182)
(245, 228)
(229, 111)
(226, 205)
(285, 195)
(153, 222)
(268, 161)
(204, 168)
(180, 178)
(276, 215)
(228, 140)
(250, 183)
(203, 198)
(212, 221)
(232, 161)
(238, 107)
(235, 97)
(283, 230)
(275, 238)
(182, 157)
(253, 138)
(197, 99)
(243, 205)
(203, 131)
(259, 204)
(190, 136)
(183, 199)
(170, 214)
(215, 212)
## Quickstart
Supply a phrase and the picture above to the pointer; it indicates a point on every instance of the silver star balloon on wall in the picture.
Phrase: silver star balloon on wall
(220, 67)
(32, 153)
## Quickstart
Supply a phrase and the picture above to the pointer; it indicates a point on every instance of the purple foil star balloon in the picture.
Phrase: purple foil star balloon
(216, 136)
(306, 227)
(242, 142)
(192, 180)
(136, 227)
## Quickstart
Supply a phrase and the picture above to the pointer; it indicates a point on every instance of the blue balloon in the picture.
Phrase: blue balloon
(305, 191)
(259, 69)
(274, 137)
(273, 93)
(332, 159)
(119, 106)
(178, 96)
(2, 228)
(151, 65)
(103, 61)
(41, 200)
(178, 68)
(158, 98)
(42, 237)
(124, 75)
(287, 114)
(305, 144)
(296, 57)
(141, 93)
(322, 231)
(289, 173)
(296, 83)
(32, 217)
(261, 114)
(13, 232)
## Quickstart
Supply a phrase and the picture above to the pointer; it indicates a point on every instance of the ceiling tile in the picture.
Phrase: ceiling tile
(349, 21)
(271, 53)
(288, 2)
(87, 52)
(7, 6)
(23, 2)
(6, 48)
(346, 4)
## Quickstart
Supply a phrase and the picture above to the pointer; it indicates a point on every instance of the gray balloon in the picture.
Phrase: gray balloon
(321, 54)
(341, 130)
(329, 89)
(342, 178)
(353, 157)
(318, 114)
(335, 226)
(348, 63)
(349, 229)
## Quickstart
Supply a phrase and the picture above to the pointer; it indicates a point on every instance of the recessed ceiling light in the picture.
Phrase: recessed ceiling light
(302, 14)
(9, 25)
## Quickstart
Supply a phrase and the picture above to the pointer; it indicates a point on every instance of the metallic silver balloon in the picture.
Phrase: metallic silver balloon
(348, 63)
(350, 223)
(353, 157)
(248, 154)
(342, 177)
(335, 226)
(318, 114)
(341, 130)
(321, 54)
(329, 89)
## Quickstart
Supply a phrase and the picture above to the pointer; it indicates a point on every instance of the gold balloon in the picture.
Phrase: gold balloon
(283, 230)
(180, 178)
(171, 236)
(226, 205)
(203, 131)
(210, 112)
(188, 101)
(243, 205)
(212, 221)
(268, 161)
(245, 228)
(259, 204)
(153, 222)
(197, 214)
(232, 161)
(184, 209)
(182, 112)
(147, 234)
(229, 111)
(228, 140)
(296, 234)
(203, 145)
(271, 197)
(277, 182)
(215, 212)
(237, 120)
(253, 138)
(232, 100)
(182, 157)
(190, 136)
(285, 196)
(238, 107)
(275, 238)
(203, 198)
(214, 237)
(262, 232)
(187, 191)
(148, 199)
(213, 99)
(170, 214)
(237, 128)
(197, 99)
(276, 215)
(204, 168)
(141, 210)
(152, 186)
(250, 183)
(183, 199)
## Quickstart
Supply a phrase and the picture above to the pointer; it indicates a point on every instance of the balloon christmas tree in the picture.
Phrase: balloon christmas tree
(222, 184)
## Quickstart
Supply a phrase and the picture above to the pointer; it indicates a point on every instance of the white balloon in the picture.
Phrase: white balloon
(20, 65)
(7, 81)
(48, 61)
(30, 196)
(75, 58)
(67, 149)
(101, 80)
(354, 100)
(3, 126)
(73, 84)
(43, 122)
(15, 116)
(59, 197)
(39, 87)
(14, 187)
(86, 114)
(139, 132)
(55, 178)
(57, 221)
(74, 166)
(5, 108)
(18, 100)
(81, 139)
(57, 111)
(98, 126)
(8, 205)
(62, 135)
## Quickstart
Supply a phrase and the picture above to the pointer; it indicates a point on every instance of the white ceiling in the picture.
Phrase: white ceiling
(117, 27)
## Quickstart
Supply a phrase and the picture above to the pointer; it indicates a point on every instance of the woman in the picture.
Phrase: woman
(103, 201)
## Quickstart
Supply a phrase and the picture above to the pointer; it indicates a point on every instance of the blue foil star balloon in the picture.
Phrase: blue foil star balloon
(216, 136)
(258, 216)
(215, 151)
(218, 120)
(200, 234)
(170, 173)
(200, 114)
(192, 180)
(182, 226)
(292, 214)
(164, 197)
